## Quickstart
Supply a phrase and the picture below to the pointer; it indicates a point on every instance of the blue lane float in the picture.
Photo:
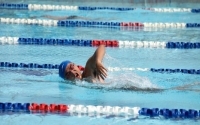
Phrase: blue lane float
(192, 25)
(185, 71)
(195, 10)
(170, 113)
(105, 8)
(29, 65)
(86, 23)
(14, 107)
(44, 41)
(13, 6)
(182, 45)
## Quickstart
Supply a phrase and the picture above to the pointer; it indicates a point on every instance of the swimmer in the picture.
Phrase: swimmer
(60, 17)
(67, 17)
(94, 70)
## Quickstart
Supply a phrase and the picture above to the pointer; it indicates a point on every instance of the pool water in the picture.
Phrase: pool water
(44, 85)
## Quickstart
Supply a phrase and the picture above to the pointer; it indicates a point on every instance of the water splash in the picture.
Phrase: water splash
(125, 80)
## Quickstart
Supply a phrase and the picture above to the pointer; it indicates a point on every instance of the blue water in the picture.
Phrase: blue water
(44, 86)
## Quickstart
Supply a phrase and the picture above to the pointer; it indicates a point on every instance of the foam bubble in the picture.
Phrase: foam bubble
(125, 81)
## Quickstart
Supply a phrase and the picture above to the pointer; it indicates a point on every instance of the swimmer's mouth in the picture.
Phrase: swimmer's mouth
(77, 75)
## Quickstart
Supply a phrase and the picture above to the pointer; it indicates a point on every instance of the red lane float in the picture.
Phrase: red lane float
(131, 24)
(107, 43)
(115, 43)
(62, 108)
(102, 42)
(44, 107)
(34, 107)
(53, 107)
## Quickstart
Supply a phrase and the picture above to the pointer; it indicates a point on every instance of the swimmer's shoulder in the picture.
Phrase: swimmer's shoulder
(89, 75)
(87, 72)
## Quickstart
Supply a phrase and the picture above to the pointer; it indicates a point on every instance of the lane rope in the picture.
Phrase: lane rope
(56, 66)
(106, 110)
(94, 43)
(66, 23)
(67, 7)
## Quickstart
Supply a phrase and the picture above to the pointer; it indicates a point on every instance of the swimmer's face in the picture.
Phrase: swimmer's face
(72, 72)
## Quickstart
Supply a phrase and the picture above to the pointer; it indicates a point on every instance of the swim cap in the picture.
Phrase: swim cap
(62, 68)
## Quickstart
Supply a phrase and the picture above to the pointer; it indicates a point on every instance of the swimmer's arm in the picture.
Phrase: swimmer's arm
(99, 54)
(94, 63)
(97, 63)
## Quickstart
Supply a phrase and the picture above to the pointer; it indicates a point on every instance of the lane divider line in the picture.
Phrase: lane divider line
(106, 110)
(68, 7)
(94, 43)
(66, 23)
(56, 66)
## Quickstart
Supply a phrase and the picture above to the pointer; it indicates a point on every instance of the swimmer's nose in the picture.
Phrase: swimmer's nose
(72, 66)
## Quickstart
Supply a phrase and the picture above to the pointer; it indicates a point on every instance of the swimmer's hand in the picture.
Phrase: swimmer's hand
(101, 71)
